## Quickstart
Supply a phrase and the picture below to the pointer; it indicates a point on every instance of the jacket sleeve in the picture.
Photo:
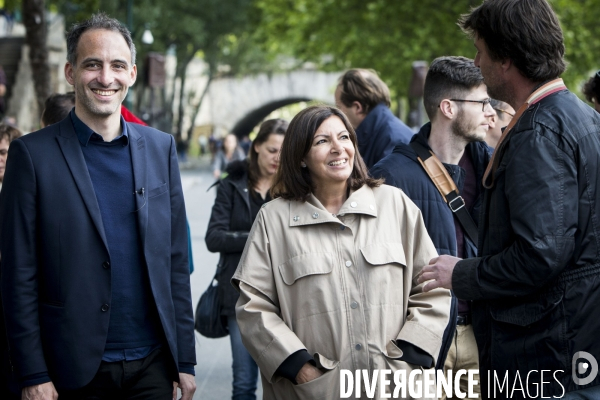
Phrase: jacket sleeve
(180, 272)
(18, 246)
(542, 194)
(219, 238)
(428, 313)
(266, 336)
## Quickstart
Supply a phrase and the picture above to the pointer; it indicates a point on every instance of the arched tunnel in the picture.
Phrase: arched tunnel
(245, 125)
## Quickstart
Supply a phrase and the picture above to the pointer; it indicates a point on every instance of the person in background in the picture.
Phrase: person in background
(229, 152)
(8, 386)
(458, 106)
(2, 92)
(240, 195)
(327, 276)
(504, 114)
(8, 133)
(365, 99)
(591, 90)
(57, 107)
(535, 284)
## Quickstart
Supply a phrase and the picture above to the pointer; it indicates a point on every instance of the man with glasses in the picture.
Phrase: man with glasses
(535, 287)
(458, 106)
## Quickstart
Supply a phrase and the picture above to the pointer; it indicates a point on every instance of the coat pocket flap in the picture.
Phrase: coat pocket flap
(324, 362)
(528, 312)
(157, 190)
(305, 265)
(384, 253)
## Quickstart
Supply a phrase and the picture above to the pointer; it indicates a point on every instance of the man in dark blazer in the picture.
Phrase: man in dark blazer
(95, 278)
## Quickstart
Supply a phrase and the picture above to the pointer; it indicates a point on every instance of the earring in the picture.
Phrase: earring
(303, 164)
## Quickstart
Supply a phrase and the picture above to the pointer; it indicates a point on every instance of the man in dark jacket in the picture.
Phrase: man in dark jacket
(457, 104)
(365, 99)
(536, 285)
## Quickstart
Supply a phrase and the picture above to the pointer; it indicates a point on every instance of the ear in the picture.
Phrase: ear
(133, 74)
(506, 65)
(448, 109)
(358, 108)
(69, 74)
(255, 146)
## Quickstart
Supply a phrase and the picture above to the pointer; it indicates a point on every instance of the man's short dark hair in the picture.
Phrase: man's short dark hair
(591, 89)
(527, 32)
(364, 86)
(449, 78)
(57, 107)
(97, 21)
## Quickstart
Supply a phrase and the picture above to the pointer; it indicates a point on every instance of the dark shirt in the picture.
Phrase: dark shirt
(256, 202)
(469, 194)
(134, 329)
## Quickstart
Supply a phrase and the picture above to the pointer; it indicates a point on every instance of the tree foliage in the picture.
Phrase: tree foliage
(388, 35)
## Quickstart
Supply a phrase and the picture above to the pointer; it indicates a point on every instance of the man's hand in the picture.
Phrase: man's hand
(44, 391)
(439, 272)
(307, 373)
(187, 384)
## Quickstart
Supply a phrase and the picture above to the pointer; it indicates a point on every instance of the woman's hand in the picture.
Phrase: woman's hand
(307, 373)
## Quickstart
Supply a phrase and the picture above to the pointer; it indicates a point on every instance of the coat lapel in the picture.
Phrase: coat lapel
(71, 149)
(138, 160)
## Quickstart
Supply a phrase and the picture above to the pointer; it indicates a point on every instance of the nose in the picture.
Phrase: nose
(106, 76)
(489, 111)
(336, 146)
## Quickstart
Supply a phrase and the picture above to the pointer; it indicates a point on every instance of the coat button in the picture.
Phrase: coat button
(354, 305)
(348, 263)
(104, 307)
(358, 346)
(353, 204)
(296, 218)
(106, 265)
(342, 227)
(316, 215)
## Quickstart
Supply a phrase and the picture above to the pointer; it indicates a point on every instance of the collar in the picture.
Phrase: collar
(371, 120)
(85, 133)
(311, 212)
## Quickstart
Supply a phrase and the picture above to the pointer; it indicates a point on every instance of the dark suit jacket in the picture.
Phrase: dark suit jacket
(55, 282)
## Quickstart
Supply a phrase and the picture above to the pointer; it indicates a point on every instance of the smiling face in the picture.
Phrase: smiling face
(330, 160)
(268, 154)
(102, 75)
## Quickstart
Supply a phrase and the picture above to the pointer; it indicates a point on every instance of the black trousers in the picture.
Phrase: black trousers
(150, 378)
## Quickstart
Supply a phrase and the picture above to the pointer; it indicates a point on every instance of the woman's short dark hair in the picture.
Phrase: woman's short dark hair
(591, 89)
(292, 182)
(9, 132)
(527, 32)
(269, 127)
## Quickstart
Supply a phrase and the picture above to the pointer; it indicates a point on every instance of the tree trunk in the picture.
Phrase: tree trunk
(197, 106)
(34, 18)
(181, 112)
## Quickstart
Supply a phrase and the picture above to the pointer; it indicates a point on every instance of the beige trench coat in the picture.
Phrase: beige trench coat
(341, 286)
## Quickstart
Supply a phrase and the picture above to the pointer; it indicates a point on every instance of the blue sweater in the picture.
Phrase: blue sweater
(134, 328)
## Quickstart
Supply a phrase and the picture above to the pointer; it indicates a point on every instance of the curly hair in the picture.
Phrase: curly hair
(591, 89)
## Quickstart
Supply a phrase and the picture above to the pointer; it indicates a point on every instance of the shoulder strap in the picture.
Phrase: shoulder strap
(447, 188)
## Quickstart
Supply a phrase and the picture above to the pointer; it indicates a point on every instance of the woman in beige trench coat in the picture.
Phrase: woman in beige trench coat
(327, 279)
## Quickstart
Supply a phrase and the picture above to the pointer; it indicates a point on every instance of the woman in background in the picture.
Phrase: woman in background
(230, 152)
(240, 195)
(591, 90)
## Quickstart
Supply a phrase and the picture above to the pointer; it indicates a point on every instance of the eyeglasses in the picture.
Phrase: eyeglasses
(482, 102)
(504, 111)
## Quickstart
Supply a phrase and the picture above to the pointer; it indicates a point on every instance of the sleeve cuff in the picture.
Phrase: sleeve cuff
(35, 379)
(293, 364)
(187, 368)
(464, 279)
(414, 355)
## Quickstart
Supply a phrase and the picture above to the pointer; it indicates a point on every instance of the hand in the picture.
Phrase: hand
(44, 391)
(438, 272)
(307, 373)
(187, 385)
